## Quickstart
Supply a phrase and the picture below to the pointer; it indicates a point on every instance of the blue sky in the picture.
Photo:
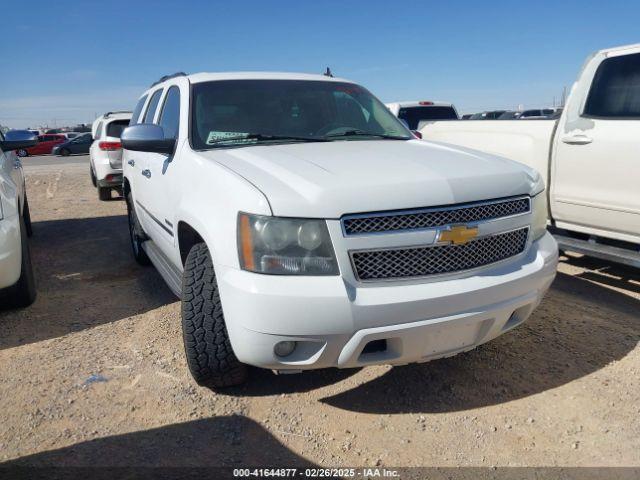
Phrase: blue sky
(64, 62)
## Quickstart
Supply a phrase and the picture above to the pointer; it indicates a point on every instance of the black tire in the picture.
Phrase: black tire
(24, 292)
(210, 357)
(22, 153)
(136, 235)
(104, 193)
(94, 181)
(26, 215)
(65, 152)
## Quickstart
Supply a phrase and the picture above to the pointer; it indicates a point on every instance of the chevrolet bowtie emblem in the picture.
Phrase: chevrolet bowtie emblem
(458, 235)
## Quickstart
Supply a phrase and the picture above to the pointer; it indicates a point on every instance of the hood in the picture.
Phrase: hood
(328, 180)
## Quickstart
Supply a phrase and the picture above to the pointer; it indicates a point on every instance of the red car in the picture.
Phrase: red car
(45, 144)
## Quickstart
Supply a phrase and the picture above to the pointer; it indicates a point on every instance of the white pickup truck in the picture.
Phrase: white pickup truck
(589, 157)
(304, 226)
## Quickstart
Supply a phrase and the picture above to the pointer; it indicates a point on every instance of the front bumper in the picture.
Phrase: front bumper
(334, 322)
(10, 251)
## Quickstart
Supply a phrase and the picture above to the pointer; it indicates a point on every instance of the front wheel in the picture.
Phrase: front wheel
(65, 152)
(22, 153)
(206, 341)
(136, 234)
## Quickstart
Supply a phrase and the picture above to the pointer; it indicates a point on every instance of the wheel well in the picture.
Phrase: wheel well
(187, 238)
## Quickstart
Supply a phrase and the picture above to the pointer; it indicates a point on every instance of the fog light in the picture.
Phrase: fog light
(282, 349)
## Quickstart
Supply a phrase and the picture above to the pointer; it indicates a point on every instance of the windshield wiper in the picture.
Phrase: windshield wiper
(264, 136)
(362, 133)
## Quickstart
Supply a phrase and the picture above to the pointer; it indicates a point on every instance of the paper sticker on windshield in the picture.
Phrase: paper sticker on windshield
(221, 136)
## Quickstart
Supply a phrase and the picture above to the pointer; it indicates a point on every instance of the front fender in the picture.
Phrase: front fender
(211, 204)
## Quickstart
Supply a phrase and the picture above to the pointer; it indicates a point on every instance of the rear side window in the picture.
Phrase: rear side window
(136, 111)
(414, 115)
(115, 128)
(151, 109)
(170, 116)
(615, 91)
(99, 130)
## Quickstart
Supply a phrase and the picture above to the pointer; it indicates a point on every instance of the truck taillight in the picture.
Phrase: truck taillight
(110, 146)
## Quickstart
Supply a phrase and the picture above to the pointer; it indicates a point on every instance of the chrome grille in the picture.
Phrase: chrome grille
(434, 217)
(396, 263)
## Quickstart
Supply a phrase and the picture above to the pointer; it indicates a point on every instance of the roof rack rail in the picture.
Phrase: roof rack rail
(167, 77)
(108, 114)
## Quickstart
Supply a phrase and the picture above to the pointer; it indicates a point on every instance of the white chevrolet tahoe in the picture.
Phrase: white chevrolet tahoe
(303, 226)
(589, 156)
(105, 153)
(17, 281)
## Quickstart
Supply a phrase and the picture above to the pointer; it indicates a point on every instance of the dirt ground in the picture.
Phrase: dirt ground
(94, 373)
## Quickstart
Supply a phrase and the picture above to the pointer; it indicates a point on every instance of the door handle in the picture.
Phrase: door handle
(146, 172)
(132, 162)
(577, 139)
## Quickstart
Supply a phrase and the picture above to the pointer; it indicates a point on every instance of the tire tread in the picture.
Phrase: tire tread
(208, 350)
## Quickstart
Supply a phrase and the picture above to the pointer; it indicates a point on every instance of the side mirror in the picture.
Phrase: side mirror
(18, 139)
(147, 137)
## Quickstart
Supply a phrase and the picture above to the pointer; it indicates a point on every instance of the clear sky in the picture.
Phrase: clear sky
(65, 61)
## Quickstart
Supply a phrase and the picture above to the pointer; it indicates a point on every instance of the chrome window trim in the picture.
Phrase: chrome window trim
(457, 206)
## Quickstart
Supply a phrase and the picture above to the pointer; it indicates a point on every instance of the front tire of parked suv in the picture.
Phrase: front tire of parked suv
(209, 354)
(22, 153)
(136, 235)
(65, 152)
(24, 292)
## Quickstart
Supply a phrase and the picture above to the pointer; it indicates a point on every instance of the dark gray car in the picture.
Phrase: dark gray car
(79, 144)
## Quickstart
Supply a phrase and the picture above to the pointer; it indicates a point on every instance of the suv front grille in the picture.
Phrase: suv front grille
(434, 217)
(408, 262)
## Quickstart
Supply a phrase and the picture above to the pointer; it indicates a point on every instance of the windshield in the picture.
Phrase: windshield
(247, 112)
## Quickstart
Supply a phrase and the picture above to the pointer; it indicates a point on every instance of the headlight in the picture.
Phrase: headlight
(285, 246)
(539, 222)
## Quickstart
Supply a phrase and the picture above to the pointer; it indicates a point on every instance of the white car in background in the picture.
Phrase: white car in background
(416, 114)
(17, 281)
(105, 154)
(304, 227)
